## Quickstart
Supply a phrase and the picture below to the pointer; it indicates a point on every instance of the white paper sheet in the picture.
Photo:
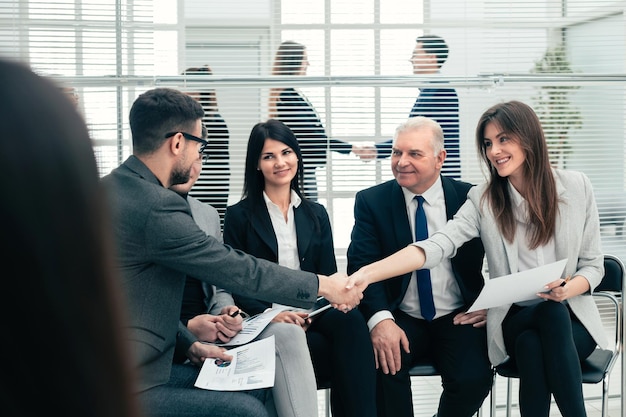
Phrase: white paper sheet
(252, 327)
(518, 287)
(253, 366)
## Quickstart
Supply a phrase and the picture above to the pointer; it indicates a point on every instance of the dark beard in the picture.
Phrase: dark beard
(179, 176)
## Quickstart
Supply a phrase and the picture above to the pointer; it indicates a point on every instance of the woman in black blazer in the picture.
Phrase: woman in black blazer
(274, 221)
(293, 108)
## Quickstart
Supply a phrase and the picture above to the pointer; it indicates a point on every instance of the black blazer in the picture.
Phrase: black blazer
(250, 229)
(381, 228)
(297, 113)
(442, 105)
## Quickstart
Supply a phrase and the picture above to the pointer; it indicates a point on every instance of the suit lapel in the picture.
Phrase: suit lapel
(562, 223)
(304, 230)
(451, 197)
(401, 226)
(512, 252)
(262, 225)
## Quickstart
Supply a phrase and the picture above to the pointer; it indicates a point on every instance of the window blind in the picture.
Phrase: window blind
(565, 58)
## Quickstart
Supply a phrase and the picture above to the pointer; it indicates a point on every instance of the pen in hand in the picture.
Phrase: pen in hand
(565, 281)
(235, 313)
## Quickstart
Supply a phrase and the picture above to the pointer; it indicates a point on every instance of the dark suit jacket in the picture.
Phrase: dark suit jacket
(250, 229)
(382, 228)
(442, 105)
(159, 244)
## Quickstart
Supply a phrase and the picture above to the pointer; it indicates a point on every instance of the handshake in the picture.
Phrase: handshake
(365, 152)
(344, 293)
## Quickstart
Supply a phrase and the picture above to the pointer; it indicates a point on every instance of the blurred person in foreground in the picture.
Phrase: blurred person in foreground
(65, 348)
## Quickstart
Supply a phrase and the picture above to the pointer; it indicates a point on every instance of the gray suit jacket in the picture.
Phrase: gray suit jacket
(208, 219)
(577, 238)
(159, 244)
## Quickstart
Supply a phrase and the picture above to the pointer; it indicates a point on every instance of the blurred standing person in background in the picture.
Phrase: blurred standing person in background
(292, 107)
(213, 185)
(436, 102)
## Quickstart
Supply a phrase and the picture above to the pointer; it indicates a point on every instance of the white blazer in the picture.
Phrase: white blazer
(577, 237)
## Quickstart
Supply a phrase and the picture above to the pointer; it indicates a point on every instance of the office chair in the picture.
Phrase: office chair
(597, 367)
(424, 368)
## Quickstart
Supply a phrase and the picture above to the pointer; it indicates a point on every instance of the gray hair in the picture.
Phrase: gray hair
(421, 122)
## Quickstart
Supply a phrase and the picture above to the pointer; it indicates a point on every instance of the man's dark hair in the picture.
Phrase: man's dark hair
(160, 111)
(434, 44)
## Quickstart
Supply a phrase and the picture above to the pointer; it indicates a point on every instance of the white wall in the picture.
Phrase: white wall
(227, 12)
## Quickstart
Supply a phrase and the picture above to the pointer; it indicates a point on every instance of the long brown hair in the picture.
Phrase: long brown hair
(287, 61)
(520, 122)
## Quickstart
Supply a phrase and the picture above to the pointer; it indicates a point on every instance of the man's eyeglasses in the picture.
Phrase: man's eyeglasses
(189, 136)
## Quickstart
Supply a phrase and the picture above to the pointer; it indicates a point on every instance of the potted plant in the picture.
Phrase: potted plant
(553, 106)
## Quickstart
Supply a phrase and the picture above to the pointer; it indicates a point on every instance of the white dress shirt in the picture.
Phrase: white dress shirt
(446, 292)
(286, 236)
(528, 258)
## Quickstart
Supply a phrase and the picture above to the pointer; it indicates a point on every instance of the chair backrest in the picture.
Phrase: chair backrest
(611, 288)
(613, 279)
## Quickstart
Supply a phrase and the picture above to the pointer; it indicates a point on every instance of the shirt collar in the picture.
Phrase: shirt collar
(295, 199)
(518, 202)
(431, 195)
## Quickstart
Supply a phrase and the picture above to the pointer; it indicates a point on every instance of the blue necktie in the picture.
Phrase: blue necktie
(424, 286)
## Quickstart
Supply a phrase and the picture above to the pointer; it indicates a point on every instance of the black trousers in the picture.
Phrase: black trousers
(342, 354)
(459, 353)
(547, 343)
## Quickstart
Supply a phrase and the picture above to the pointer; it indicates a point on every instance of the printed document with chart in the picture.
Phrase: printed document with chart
(253, 366)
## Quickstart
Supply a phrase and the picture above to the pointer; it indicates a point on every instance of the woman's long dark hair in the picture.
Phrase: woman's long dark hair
(57, 230)
(522, 125)
(254, 181)
(287, 61)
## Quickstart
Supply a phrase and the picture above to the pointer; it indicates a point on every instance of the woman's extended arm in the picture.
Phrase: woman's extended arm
(401, 262)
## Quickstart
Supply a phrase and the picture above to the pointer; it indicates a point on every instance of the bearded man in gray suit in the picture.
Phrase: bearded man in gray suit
(159, 244)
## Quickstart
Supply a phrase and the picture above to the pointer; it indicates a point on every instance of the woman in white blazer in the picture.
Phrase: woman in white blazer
(526, 215)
